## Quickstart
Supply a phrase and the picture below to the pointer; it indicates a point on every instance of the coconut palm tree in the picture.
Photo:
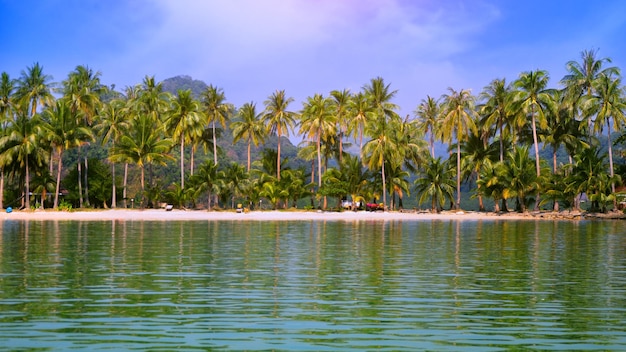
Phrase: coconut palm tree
(361, 113)
(379, 96)
(112, 125)
(435, 181)
(34, 89)
(207, 179)
(235, 176)
(475, 153)
(82, 91)
(428, 113)
(248, 125)
(534, 100)
(608, 103)
(581, 77)
(63, 132)
(458, 122)
(317, 121)
(519, 176)
(22, 147)
(184, 123)
(496, 109)
(216, 110)
(143, 145)
(278, 119)
(340, 100)
(7, 107)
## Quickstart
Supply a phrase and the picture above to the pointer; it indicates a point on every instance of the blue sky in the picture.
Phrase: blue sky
(251, 48)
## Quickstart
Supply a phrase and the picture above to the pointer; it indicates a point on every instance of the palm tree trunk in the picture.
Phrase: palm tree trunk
(125, 184)
(384, 186)
(114, 191)
(27, 185)
(537, 166)
(501, 141)
(58, 185)
(193, 152)
(458, 175)
(143, 187)
(611, 172)
(431, 141)
(481, 206)
(279, 133)
(1, 188)
(86, 181)
(215, 145)
(80, 182)
(182, 162)
(249, 154)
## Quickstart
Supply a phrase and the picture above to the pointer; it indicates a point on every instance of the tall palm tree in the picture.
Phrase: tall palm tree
(184, 123)
(581, 77)
(82, 90)
(341, 103)
(216, 110)
(112, 125)
(7, 107)
(534, 100)
(380, 95)
(317, 121)
(496, 109)
(278, 119)
(458, 122)
(608, 102)
(428, 113)
(248, 125)
(34, 89)
(475, 154)
(361, 114)
(61, 129)
(143, 145)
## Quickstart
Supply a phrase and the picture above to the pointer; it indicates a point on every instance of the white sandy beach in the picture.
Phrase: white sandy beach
(162, 215)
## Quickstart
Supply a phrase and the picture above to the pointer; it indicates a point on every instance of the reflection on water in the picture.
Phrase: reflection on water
(313, 285)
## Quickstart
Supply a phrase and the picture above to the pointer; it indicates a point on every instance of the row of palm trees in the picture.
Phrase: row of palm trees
(489, 138)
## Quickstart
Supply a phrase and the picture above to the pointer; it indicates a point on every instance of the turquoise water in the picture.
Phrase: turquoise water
(313, 285)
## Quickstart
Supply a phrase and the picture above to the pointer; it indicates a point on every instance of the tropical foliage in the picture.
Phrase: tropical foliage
(355, 147)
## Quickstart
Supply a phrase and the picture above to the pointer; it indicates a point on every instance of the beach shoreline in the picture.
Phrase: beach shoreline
(286, 215)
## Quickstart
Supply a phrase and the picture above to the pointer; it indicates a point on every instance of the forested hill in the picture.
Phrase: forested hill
(184, 82)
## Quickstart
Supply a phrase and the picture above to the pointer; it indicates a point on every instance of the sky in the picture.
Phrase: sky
(251, 48)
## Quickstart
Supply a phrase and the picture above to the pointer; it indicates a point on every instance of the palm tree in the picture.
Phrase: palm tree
(112, 125)
(248, 125)
(317, 122)
(341, 105)
(7, 107)
(82, 91)
(428, 114)
(518, 176)
(278, 119)
(22, 146)
(216, 110)
(492, 183)
(589, 176)
(184, 123)
(495, 110)
(475, 153)
(61, 129)
(582, 76)
(234, 178)
(362, 113)
(435, 181)
(207, 179)
(142, 145)
(607, 102)
(379, 95)
(533, 99)
(458, 122)
(34, 89)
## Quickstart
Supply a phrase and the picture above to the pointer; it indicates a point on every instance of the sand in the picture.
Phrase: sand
(163, 215)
